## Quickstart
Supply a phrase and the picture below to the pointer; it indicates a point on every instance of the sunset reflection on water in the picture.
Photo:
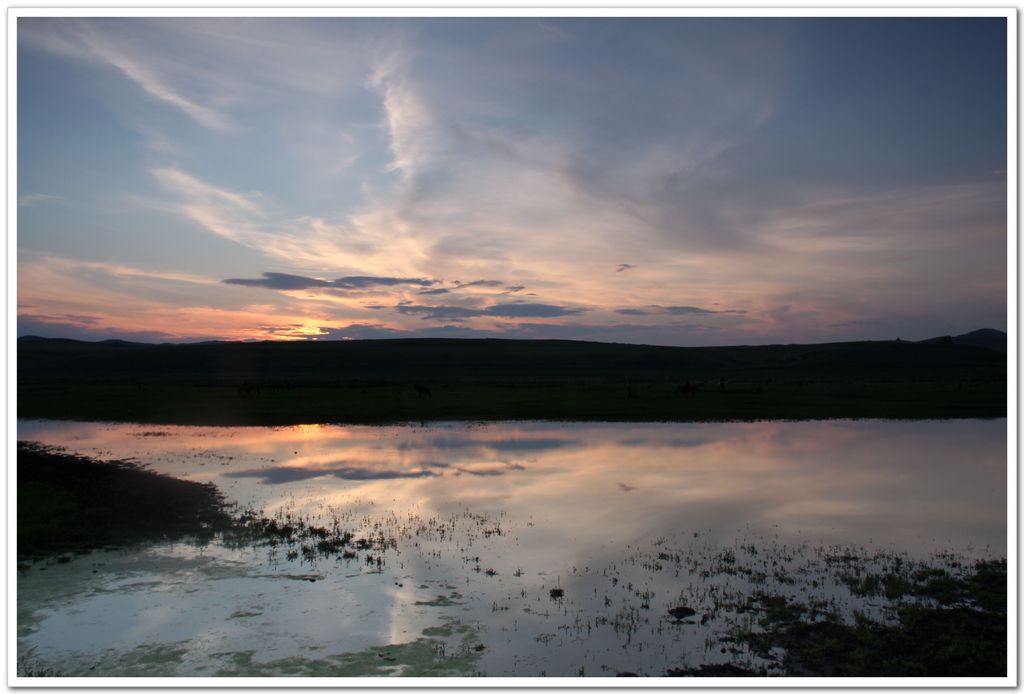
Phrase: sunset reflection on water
(906, 485)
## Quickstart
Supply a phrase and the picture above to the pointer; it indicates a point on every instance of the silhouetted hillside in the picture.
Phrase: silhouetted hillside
(986, 338)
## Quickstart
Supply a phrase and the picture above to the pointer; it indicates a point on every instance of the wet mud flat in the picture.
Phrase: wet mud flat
(362, 592)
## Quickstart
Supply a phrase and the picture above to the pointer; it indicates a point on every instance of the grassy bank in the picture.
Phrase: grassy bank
(69, 503)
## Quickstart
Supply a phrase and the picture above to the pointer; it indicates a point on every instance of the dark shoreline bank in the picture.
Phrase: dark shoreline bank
(72, 503)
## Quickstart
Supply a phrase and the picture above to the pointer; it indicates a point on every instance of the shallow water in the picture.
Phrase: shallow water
(512, 548)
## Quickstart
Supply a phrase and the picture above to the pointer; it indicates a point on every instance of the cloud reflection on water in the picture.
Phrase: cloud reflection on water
(905, 484)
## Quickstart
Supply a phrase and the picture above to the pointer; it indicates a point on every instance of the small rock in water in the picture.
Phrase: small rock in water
(682, 612)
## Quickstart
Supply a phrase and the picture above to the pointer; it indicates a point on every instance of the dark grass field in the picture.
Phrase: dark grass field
(383, 381)
(168, 403)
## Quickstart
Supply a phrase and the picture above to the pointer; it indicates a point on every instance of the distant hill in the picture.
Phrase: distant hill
(985, 338)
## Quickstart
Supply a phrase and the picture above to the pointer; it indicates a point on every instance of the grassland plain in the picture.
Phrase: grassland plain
(380, 381)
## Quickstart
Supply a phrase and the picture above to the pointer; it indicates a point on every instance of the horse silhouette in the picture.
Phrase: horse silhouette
(247, 388)
(688, 387)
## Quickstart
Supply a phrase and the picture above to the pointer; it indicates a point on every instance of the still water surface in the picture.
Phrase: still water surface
(517, 548)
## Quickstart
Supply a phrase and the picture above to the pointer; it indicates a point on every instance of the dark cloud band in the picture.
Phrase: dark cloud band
(512, 310)
(285, 282)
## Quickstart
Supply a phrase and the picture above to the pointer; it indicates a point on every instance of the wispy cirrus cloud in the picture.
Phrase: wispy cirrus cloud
(678, 311)
(94, 42)
(248, 219)
(30, 199)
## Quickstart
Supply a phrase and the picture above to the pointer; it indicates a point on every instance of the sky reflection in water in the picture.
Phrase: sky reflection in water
(629, 520)
(904, 484)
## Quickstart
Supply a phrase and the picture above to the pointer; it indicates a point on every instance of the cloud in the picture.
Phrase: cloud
(531, 311)
(291, 331)
(73, 327)
(285, 282)
(252, 220)
(462, 286)
(525, 445)
(110, 44)
(679, 311)
(849, 324)
(213, 70)
(376, 331)
(479, 283)
(36, 198)
(456, 313)
(281, 474)
(488, 469)
(621, 267)
(662, 334)
(685, 310)
(365, 282)
(514, 310)
(280, 281)
(510, 445)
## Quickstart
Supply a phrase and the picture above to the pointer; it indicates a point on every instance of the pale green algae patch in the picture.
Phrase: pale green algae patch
(450, 650)
(427, 656)
(441, 600)
(155, 660)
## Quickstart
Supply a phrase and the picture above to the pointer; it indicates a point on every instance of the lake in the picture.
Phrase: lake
(507, 549)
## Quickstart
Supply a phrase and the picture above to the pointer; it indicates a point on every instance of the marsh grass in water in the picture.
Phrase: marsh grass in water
(932, 622)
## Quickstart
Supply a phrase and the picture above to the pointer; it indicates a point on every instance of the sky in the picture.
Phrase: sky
(674, 181)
